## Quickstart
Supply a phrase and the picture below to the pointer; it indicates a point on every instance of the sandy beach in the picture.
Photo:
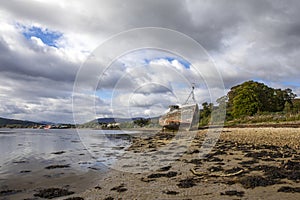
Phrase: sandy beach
(246, 163)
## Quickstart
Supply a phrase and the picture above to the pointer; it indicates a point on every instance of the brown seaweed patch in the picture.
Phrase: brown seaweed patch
(169, 192)
(233, 193)
(75, 198)
(159, 175)
(25, 171)
(58, 152)
(265, 154)
(109, 198)
(120, 188)
(194, 161)
(51, 193)
(166, 168)
(187, 183)
(57, 166)
(291, 165)
(256, 181)
(289, 189)
(8, 192)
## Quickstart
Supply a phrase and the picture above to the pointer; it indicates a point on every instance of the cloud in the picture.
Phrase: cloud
(43, 44)
(152, 88)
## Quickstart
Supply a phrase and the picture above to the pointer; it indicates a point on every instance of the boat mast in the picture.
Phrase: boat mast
(191, 95)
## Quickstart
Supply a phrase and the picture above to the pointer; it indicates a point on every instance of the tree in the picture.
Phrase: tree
(222, 101)
(141, 122)
(251, 98)
(296, 106)
(218, 114)
(287, 107)
(206, 109)
(205, 113)
(244, 99)
(288, 96)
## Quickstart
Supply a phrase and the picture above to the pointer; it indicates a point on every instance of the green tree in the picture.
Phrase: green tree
(218, 114)
(296, 106)
(251, 98)
(141, 122)
(205, 113)
(244, 99)
(287, 107)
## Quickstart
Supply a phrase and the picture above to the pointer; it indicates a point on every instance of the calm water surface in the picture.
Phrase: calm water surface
(35, 149)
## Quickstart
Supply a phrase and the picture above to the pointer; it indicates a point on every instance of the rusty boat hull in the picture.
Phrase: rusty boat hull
(185, 117)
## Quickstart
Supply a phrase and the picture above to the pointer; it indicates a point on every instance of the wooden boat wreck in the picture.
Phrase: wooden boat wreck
(185, 117)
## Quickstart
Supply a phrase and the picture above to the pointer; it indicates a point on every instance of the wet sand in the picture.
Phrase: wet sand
(34, 186)
(246, 163)
(39, 164)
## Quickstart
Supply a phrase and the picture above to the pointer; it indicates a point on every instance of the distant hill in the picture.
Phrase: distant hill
(110, 120)
(114, 120)
(4, 122)
(46, 122)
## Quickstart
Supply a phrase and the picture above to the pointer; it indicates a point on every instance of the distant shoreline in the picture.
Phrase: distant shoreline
(245, 125)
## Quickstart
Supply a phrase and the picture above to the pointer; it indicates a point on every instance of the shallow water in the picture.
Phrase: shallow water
(66, 158)
(37, 148)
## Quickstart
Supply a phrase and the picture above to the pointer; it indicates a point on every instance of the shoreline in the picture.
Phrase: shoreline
(283, 124)
(245, 163)
(255, 155)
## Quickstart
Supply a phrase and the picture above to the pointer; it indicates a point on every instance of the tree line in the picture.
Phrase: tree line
(251, 98)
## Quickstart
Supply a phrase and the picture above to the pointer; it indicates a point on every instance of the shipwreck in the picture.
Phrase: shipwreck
(184, 117)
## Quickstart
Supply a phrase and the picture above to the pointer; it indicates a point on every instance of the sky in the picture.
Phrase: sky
(53, 64)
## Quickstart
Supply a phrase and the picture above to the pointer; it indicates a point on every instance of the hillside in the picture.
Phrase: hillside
(4, 122)
(124, 122)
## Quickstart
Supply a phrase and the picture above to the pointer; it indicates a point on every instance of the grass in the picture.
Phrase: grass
(266, 118)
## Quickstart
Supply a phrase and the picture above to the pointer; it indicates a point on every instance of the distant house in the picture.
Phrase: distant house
(48, 127)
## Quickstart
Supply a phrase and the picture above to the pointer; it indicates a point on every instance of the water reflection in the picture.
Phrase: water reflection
(41, 146)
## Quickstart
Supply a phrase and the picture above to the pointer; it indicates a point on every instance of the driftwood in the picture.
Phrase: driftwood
(216, 174)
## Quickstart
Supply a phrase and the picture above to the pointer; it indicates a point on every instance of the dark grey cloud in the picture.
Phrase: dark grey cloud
(36, 64)
(30, 88)
(152, 88)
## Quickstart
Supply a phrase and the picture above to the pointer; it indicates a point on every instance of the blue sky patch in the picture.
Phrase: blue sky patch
(47, 36)
(185, 63)
(291, 83)
(104, 94)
